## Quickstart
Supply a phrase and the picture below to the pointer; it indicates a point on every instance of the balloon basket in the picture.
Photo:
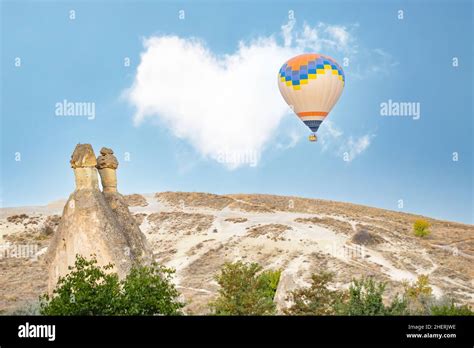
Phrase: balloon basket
(313, 138)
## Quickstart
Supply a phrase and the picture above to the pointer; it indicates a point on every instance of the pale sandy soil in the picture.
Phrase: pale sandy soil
(196, 233)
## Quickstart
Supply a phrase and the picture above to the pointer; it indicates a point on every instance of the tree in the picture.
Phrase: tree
(420, 287)
(365, 298)
(419, 295)
(421, 228)
(86, 290)
(317, 299)
(421, 301)
(93, 290)
(244, 290)
(149, 291)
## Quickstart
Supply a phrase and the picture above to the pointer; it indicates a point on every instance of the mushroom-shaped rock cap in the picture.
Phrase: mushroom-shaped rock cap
(83, 156)
(106, 151)
(106, 159)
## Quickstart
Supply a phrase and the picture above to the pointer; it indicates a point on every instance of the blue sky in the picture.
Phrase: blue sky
(408, 60)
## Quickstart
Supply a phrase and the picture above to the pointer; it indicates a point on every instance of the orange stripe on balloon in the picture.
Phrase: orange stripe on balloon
(312, 113)
(302, 59)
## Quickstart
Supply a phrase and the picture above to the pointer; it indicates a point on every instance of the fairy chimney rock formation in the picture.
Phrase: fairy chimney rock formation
(83, 162)
(94, 222)
(107, 165)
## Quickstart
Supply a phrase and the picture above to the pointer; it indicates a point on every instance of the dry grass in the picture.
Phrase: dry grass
(21, 281)
(33, 236)
(271, 231)
(236, 220)
(179, 222)
(327, 222)
(250, 207)
(194, 199)
(135, 200)
(17, 219)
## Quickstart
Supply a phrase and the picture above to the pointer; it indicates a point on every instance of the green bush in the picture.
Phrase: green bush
(365, 298)
(244, 290)
(270, 279)
(450, 309)
(317, 299)
(149, 291)
(421, 228)
(398, 306)
(93, 290)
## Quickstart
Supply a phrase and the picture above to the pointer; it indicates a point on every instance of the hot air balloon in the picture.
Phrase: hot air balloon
(311, 84)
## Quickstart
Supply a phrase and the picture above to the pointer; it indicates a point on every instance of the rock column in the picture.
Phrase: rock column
(83, 162)
(107, 165)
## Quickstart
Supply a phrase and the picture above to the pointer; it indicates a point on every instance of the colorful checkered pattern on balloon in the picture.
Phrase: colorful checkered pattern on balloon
(297, 71)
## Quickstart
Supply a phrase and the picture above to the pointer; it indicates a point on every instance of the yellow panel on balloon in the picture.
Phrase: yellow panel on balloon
(327, 66)
(296, 87)
(312, 76)
(304, 82)
(319, 71)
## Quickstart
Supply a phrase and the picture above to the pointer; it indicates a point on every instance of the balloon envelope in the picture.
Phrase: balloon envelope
(311, 84)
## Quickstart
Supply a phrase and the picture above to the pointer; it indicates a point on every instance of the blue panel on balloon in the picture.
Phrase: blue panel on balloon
(313, 125)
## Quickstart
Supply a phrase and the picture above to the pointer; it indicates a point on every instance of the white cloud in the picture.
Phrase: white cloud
(225, 106)
(287, 32)
(293, 137)
(339, 34)
(346, 147)
(332, 129)
(322, 37)
(380, 64)
(354, 147)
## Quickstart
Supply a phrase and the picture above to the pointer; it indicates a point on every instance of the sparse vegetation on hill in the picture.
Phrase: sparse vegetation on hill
(17, 219)
(180, 222)
(271, 231)
(236, 220)
(244, 290)
(135, 200)
(366, 297)
(197, 232)
(185, 200)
